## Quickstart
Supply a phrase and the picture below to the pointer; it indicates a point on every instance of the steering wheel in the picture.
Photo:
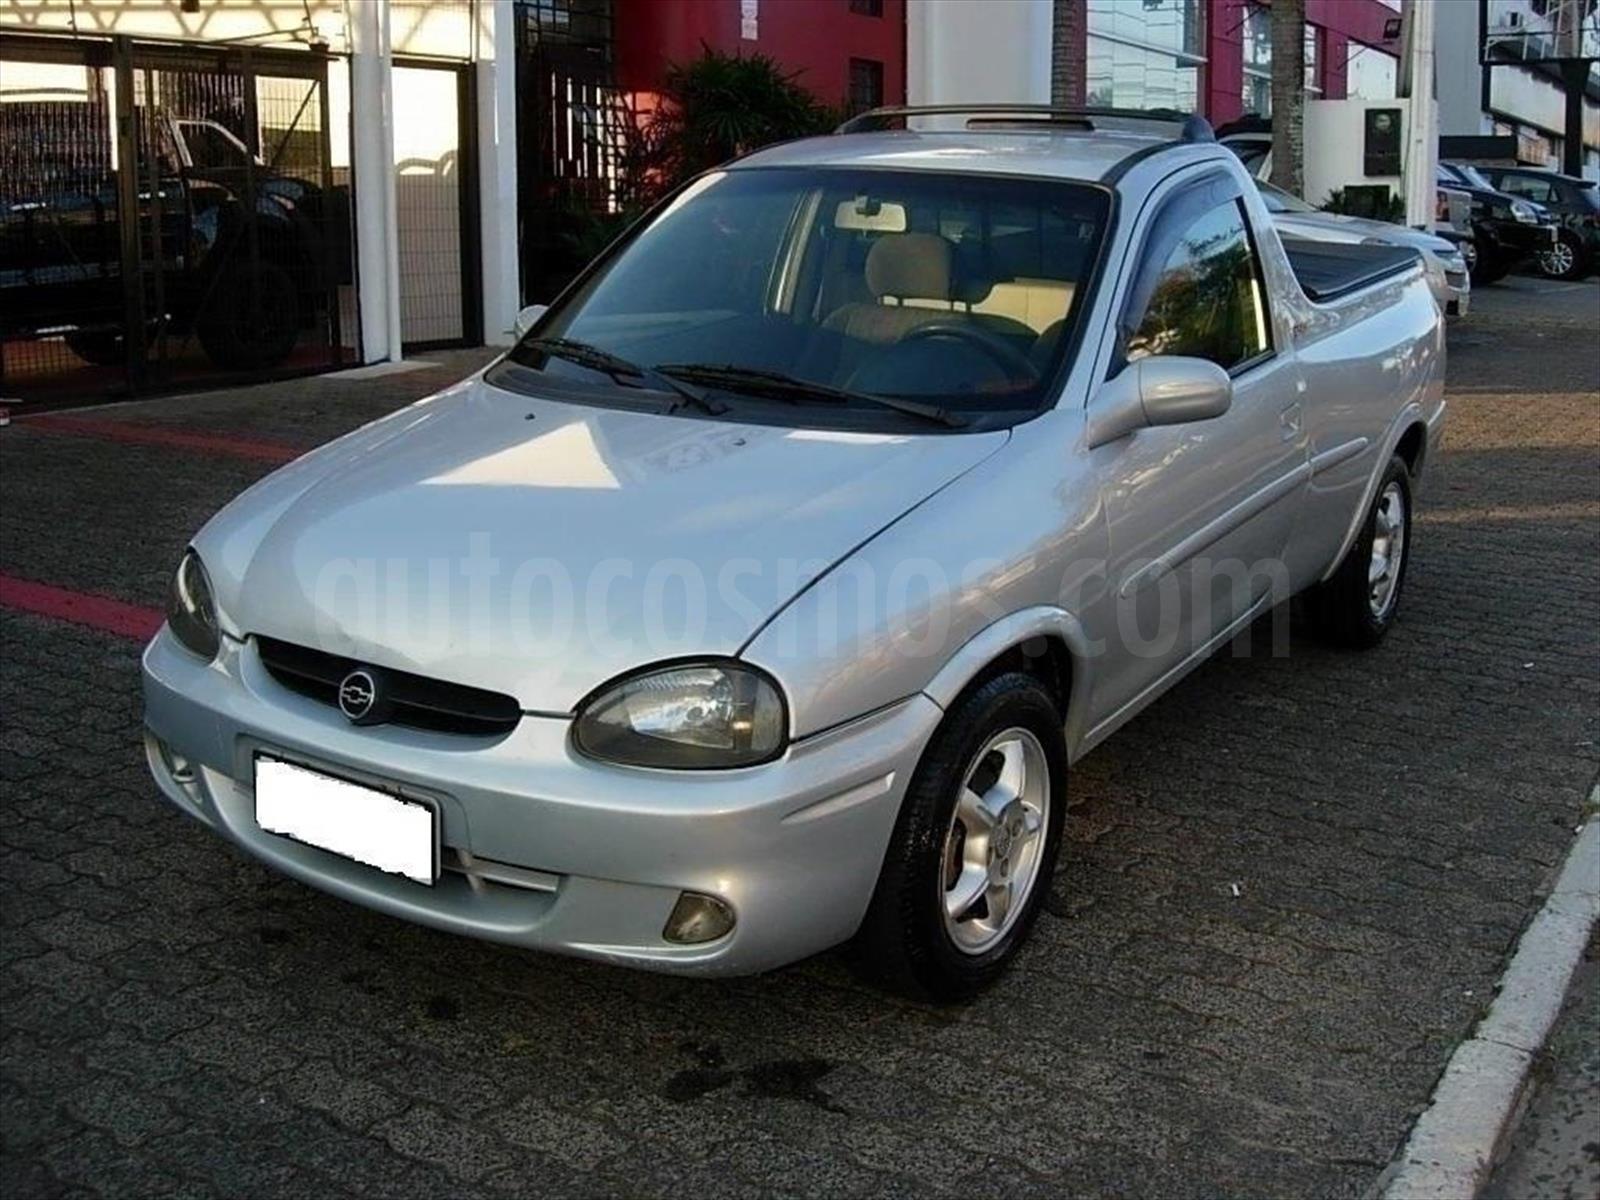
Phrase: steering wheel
(1007, 357)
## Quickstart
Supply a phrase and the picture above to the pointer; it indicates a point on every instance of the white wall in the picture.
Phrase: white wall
(497, 168)
(978, 51)
(1335, 140)
(1460, 78)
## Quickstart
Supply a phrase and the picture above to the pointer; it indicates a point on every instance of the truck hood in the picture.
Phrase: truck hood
(540, 548)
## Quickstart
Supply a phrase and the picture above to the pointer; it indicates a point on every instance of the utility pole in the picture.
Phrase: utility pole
(1289, 94)
(1419, 162)
(1575, 53)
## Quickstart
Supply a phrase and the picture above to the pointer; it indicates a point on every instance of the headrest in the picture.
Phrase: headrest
(910, 264)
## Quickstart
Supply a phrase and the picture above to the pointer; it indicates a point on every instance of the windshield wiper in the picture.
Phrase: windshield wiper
(779, 386)
(624, 370)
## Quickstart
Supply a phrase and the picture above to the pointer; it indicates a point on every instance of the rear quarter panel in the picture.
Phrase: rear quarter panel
(1373, 365)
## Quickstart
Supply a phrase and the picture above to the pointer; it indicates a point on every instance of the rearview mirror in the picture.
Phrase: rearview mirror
(1158, 391)
(527, 317)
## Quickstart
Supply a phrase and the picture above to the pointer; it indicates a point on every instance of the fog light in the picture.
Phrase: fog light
(697, 918)
(177, 765)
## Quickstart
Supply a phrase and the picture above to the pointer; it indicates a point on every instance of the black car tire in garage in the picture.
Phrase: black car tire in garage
(251, 318)
(98, 346)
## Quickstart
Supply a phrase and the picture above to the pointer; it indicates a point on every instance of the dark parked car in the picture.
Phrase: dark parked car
(1575, 204)
(1507, 231)
(243, 276)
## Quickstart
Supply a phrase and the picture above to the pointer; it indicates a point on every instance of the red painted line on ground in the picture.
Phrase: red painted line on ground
(81, 608)
(162, 435)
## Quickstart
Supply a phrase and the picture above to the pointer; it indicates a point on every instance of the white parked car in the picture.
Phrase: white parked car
(1443, 262)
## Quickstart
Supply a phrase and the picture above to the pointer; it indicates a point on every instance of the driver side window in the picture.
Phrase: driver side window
(1208, 300)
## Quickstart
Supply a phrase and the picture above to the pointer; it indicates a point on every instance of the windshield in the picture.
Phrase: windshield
(1279, 201)
(1471, 176)
(959, 292)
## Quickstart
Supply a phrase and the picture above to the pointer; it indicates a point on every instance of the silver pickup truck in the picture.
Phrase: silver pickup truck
(763, 596)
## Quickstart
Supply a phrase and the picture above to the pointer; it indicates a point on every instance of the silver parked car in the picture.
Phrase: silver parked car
(763, 596)
(1442, 260)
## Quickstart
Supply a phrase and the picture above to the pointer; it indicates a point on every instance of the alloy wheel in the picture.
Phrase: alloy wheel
(1557, 260)
(1388, 552)
(995, 843)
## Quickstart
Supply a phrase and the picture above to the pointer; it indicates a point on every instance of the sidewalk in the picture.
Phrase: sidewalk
(1555, 1153)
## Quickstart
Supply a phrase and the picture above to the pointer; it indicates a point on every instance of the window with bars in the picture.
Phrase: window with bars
(866, 84)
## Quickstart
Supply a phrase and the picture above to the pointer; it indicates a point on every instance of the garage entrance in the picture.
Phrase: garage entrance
(169, 217)
(435, 165)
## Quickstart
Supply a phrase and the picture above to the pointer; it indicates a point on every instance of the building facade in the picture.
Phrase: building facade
(1208, 56)
(848, 53)
(1215, 56)
(1521, 102)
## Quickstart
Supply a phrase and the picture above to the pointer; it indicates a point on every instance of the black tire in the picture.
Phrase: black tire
(98, 346)
(1489, 268)
(1568, 263)
(903, 942)
(251, 318)
(1342, 609)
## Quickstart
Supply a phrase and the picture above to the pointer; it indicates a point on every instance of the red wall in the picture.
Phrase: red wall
(816, 38)
(1341, 21)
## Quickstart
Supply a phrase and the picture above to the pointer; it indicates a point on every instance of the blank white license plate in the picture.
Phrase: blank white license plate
(361, 823)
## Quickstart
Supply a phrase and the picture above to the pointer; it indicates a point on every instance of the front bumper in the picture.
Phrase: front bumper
(584, 858)
(1518, 239)
(1452, 289)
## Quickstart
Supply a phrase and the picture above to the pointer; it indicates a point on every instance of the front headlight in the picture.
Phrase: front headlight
(191, 610)
(1523, 211)
(689, 716)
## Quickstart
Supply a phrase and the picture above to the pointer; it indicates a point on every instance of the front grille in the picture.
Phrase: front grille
(417, 701)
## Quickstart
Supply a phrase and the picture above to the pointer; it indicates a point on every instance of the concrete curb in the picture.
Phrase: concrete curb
(1453, 1145)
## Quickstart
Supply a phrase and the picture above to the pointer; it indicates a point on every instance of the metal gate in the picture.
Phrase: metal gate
(573, 134)
(169, 217)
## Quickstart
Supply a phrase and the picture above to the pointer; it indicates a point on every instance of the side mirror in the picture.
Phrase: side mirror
(527, 318)
(1158, 391)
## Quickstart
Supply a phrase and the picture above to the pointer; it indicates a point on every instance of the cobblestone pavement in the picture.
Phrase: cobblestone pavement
(1288, 891)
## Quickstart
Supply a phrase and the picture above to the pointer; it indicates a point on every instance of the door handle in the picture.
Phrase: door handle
(1290, 419)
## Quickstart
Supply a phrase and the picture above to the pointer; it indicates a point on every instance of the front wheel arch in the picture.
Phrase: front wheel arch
(1045, 642)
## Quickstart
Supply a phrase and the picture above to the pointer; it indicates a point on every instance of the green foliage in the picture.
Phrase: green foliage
(717, 107)
(721, 106)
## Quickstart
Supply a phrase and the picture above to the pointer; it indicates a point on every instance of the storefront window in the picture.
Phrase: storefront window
(1258, 61)
(1145, 53)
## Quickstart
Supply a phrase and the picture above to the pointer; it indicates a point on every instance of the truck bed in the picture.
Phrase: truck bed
(1328, 270)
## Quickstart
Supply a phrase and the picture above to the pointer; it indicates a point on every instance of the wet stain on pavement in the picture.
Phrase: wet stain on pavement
(773, 1079)
(792, 1079)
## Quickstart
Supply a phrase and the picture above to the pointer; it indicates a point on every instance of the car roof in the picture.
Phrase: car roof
(1064, 153)
(1541, 173)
